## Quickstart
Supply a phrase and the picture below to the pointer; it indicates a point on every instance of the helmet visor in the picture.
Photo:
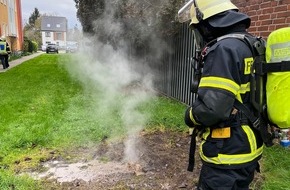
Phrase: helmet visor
(184, 12)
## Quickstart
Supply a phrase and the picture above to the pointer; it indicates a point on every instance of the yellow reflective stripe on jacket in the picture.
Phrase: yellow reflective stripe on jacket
(245, 88)
(251, 137)
(236, 158)
(233, 159)
(192, 118)
(222, 83)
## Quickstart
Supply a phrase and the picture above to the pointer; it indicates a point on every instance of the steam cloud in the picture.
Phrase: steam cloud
(119, 81)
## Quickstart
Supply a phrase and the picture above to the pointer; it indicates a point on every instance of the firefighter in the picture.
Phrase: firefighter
(230, 149)
(4, 52)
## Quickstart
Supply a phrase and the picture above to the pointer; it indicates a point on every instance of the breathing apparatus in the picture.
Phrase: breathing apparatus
(184, 15)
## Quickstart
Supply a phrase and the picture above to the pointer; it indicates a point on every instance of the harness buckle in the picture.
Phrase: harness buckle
(256, 123)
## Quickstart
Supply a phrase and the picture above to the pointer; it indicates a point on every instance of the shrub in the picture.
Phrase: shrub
(29, 46)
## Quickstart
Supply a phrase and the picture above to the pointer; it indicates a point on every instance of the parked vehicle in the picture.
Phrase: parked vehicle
(51, 48)
(43, 48)
(72, 48)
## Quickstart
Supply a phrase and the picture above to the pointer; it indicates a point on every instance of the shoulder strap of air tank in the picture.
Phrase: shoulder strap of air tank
(282, 66)
(235, 35)
(256, 44)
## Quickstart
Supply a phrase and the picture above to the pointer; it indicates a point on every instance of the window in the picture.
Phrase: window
(58, 25)
(58, 36)
(47, 34)
(48, 25)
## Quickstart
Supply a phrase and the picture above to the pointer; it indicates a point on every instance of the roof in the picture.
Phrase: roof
(53, 23)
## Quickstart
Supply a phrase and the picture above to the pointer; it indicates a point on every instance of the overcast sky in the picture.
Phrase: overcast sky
(65, 8)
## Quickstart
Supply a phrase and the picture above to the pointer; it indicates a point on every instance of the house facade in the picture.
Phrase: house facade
(54, 30)
(11, 23)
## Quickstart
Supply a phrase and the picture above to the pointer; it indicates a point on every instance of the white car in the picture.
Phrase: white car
(72, 48)
(43, 48)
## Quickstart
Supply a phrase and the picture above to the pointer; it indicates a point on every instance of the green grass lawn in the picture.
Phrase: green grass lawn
(276, 168)
(44, 109)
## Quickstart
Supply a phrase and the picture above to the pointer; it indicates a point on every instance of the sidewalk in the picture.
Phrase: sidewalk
(16, 62)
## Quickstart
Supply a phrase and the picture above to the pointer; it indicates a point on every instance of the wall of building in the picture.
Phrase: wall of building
(58, 38)
(11, 23)
(3, 18)
(19, 24)
(266, 15)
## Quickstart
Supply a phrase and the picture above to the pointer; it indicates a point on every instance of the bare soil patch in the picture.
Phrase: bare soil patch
(162, 164)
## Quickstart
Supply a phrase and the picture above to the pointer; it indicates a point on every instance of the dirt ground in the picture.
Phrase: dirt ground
(162, 164)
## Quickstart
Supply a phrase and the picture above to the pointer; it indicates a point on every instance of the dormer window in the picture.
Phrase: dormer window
(48, 25)
(58, 25)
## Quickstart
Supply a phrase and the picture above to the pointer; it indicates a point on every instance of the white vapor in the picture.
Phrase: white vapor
(119, 81)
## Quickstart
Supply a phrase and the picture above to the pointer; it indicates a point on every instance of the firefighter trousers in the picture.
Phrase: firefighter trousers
(212, 178)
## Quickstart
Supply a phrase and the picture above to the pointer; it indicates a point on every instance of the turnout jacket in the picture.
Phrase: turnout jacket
(227, 140)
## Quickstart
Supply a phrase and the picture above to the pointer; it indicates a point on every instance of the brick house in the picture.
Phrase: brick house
(266, 15)
(11, 23)
(54, 30)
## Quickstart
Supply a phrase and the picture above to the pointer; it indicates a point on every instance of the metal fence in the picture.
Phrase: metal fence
(175, 71)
